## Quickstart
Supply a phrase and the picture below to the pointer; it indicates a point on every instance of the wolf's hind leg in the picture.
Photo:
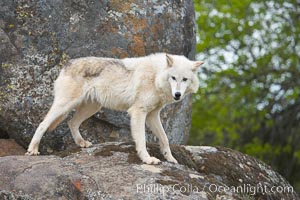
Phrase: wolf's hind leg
(154, 123)
(58, 110)
(83, 112)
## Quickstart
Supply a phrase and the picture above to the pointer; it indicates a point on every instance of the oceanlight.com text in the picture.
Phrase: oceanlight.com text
(213, 188)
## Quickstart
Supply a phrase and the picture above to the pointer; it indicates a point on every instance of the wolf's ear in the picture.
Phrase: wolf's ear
(197, 64)
(169, 60)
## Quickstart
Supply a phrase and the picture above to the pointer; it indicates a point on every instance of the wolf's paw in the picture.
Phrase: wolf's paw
(84, 143)
(171, 159)
(32, 152)
(151, 161)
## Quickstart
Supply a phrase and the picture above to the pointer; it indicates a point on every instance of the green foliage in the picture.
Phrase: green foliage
(249, 98)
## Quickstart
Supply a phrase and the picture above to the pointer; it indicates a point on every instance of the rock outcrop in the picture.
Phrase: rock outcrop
(37, 37)
(113, 171)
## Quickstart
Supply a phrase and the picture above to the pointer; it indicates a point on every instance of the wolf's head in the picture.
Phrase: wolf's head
(181, 76)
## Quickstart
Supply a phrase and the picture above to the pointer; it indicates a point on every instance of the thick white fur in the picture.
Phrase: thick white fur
(142, 86)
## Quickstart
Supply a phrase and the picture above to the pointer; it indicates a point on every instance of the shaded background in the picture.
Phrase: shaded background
(249, 96)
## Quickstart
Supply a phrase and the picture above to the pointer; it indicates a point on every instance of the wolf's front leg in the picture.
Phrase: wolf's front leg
(154, 123)
(138, 118)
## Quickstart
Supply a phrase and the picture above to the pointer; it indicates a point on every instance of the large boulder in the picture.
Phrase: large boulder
(37, 37)
(113, 171)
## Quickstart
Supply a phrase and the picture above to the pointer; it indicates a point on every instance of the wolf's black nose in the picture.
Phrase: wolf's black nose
(177, 94)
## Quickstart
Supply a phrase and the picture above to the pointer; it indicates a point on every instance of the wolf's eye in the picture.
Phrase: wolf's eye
(184, 79)
(173, 77)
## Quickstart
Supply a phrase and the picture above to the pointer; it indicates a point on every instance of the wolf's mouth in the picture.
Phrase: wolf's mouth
(177, 98)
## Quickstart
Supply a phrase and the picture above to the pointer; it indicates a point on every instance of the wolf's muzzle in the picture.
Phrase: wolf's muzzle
(177, 96)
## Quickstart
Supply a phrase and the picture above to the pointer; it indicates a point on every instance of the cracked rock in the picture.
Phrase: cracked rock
(114, 171)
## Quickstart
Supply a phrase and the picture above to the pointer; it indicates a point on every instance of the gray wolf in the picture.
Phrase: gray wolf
(141, 86)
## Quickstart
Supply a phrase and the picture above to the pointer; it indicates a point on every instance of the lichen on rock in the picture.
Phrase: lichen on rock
(38, 37)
